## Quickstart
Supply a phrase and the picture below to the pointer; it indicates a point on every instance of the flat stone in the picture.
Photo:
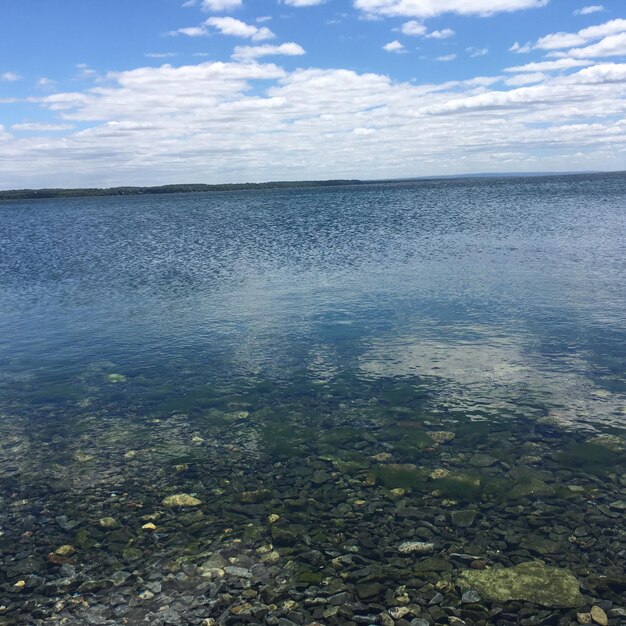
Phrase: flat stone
(416, 547)
(369, 591)
(463, 519)
(482, 460)
(239, 572)
(533, 488)
(530, 582)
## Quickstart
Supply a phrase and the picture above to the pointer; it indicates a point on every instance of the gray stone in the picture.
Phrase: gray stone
(463, 519)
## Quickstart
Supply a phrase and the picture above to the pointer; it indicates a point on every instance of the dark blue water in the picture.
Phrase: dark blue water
(300, 353)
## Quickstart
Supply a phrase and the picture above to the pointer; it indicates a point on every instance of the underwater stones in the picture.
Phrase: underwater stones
(239, 572)
(108, 523)
(531, 488)
(369, 591)
(382, 457)
(584, 618)
(116, 378)
(83, 457)
(532, 582)
(150, 527)
(181, 500)
(599, 616)
(273, 518)
(482, 460)
(439, 473)
(441, 436)
(463, 519)
(610, 442)
(255, 497)
(416, 547)
(65, 551)
(471, 596)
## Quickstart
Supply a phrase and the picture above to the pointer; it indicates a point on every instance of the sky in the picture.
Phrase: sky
(148, 92)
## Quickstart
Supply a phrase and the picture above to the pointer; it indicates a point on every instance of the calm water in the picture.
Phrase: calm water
(231, 334)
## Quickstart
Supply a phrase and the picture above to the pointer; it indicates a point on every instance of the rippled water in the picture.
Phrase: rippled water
(228, 332)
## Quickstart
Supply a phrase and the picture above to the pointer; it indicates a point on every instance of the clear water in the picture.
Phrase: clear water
(233, 331)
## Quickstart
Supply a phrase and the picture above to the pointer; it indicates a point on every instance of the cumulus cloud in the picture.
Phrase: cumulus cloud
(414, 28)
(444, 33)
(237, 28)
(220, 5)
(394, 46)
(255, 52)
(612, 46)
(432, 8)
(559, 41)
(447, 57)
(248, 120)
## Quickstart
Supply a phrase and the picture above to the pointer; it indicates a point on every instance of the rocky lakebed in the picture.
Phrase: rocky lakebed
(316, 512)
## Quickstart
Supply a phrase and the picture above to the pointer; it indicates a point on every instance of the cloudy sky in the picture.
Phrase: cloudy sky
(172, 91)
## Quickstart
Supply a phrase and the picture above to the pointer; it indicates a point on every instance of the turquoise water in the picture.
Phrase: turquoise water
(277, 343)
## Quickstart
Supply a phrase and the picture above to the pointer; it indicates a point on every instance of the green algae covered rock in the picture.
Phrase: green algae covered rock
(181, 500)
(530, 582)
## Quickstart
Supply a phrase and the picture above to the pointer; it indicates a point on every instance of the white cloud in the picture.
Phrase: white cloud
(447, 57)
(414, 28)
(432, 8)
(445, 33)
(525, 79)
(477, 52)
(219, 122)
(588, 10)
(417, 29)
(237, 28)
(255, 52)
(304, 3)
(10, 77)
(612, 46)
(161, 55)
(394, 46)
(191, 31)
(521, 49)
(37, 127)
(220, 5)
(548, 66)
(558, 41)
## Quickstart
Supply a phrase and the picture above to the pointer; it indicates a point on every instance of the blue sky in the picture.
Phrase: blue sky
(161, 91)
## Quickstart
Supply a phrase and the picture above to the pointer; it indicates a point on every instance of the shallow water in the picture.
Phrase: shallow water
(261, 350)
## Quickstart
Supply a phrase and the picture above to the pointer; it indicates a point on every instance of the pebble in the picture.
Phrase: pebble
(599, 616)
(149, 527)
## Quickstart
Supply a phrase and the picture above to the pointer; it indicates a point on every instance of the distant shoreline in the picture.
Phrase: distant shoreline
(35, 194)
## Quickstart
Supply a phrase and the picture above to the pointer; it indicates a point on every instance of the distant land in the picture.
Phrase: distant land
(34, 194)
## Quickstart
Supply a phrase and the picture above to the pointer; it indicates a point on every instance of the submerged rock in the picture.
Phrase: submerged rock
(599, 616)
(441, 436)
(530, 582)
(416, 547)
(463, 519)
(181, 500)
(611, 442)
